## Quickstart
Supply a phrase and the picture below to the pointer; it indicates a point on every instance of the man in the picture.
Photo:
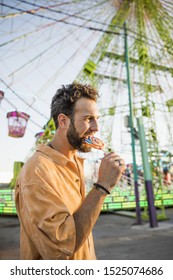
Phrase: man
(56, 217)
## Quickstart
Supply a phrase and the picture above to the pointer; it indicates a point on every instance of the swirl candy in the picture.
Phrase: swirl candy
(94, 142)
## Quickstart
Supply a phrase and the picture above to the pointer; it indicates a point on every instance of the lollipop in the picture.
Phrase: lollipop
(94, 142)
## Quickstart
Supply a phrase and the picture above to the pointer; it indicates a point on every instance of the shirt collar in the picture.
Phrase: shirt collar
(55, 155)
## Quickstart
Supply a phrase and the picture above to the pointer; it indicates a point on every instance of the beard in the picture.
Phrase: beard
(75, 140)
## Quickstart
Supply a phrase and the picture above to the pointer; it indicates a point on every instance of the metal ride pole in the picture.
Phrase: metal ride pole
(138, 212)
(147, 174)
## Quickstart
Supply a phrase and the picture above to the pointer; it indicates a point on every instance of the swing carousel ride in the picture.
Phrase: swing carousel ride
(45, 44)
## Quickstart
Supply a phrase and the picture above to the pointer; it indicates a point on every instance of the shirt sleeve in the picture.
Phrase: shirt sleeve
(47, 221)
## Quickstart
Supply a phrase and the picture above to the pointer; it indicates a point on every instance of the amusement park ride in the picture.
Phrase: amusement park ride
(132, 67)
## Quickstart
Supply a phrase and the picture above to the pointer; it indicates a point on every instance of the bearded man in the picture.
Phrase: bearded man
(56, 216)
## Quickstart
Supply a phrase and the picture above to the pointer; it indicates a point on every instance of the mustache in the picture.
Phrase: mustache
(88, 134)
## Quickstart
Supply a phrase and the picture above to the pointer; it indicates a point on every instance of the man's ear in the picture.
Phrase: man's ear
(63, 121)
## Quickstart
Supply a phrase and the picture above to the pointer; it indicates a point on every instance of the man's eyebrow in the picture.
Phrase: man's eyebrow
(91, 116)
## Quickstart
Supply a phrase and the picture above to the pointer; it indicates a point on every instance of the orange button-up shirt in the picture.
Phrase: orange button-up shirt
(49, 190)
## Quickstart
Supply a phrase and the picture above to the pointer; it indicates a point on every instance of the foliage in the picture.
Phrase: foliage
(16, 170)
(49, 131)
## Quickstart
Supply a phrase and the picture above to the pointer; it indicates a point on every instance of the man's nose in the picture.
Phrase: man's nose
(94, 125)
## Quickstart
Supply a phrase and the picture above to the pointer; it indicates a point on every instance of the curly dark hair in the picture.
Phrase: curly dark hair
(65, 99)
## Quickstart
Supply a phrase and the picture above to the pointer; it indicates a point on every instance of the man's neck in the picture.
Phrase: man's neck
(64, 148)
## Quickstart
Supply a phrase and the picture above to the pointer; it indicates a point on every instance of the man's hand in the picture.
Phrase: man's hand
(110, 170)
